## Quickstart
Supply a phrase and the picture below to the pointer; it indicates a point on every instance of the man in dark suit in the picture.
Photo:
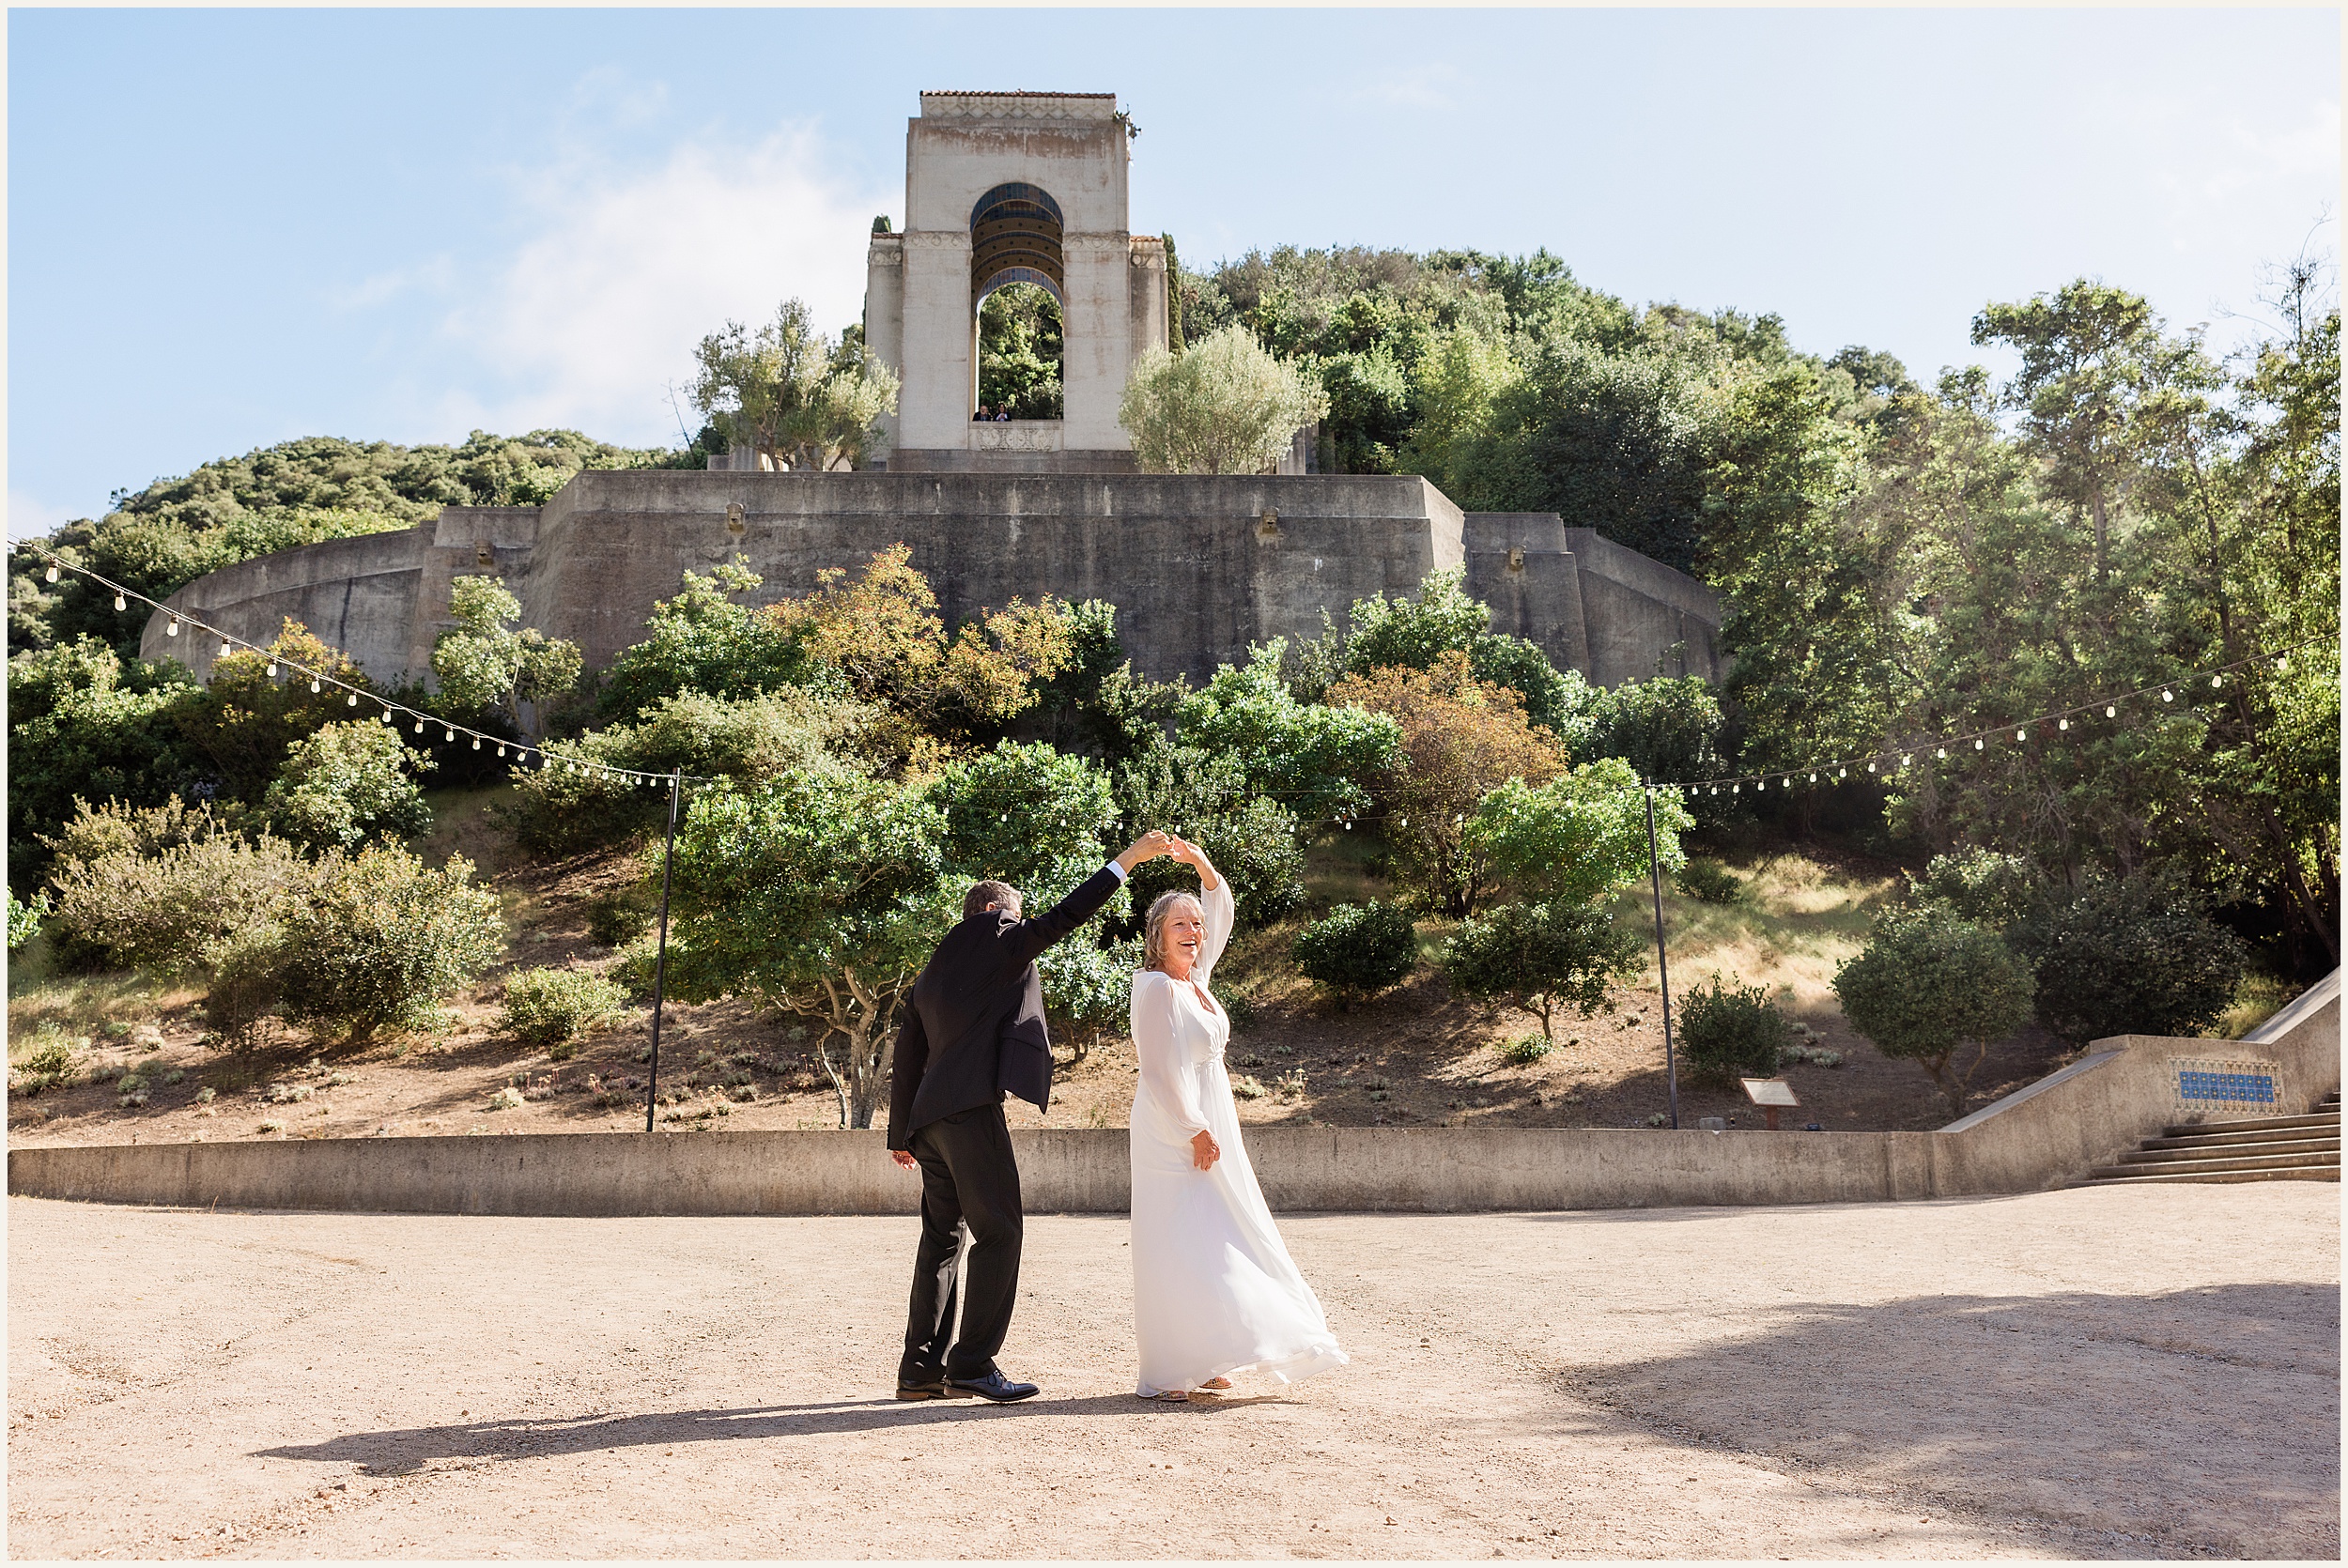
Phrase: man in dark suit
(973, 1031)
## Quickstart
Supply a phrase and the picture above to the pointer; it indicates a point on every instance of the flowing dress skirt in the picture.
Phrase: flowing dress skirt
(1215, 1291)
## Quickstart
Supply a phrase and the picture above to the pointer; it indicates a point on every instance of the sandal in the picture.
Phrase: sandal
(1215, 1385)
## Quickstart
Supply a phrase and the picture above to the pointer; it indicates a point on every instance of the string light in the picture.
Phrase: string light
(2021, 735)
(2063, 724)
(476, 742)
(272, 672)
(1979, 744)
(500, 749)
(2168, 696)
(171, 627)
(53, 574)
(1871, 767)
(2111, 710)
(121, 603)
(224, 649)
(314, 686)
(2216, 680)
(452, 735)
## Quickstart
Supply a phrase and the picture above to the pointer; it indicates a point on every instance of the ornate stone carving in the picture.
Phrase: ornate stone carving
(938, 240)
(1023, 434)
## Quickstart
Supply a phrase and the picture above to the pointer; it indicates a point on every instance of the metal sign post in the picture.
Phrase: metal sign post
(1662, 968)
(660, 958)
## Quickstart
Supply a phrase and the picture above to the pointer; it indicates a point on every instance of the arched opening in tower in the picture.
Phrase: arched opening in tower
(1017, 291)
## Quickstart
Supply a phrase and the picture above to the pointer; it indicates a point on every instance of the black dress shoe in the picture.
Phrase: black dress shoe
(931, 1385)
(994, 1386)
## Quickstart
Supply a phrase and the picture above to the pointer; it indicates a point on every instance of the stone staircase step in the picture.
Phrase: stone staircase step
(2327, 1173)
(2243, 1163)
(2228, 1140)
(2279, 1149)
(2253, 1124)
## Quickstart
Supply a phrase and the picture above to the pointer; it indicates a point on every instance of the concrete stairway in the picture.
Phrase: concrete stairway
(2259, 1148)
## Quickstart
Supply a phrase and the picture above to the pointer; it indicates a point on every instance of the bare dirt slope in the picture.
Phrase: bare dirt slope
(1414, 1057)
(2079, 1373)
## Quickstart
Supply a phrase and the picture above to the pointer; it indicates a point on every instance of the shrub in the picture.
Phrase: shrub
(619, 918)
(1248, 1088)
(348, 783)
(1204, 795)
(1731, 1031)
(163, 910)
(1358, 949)
(1539, 957)
(507, 1098)
(52, 1064)
(1708, 882)
(247, 982)
(1928, 985)
(384, 938)
(24, 919)
(1581, 837)
(552, 1007)
(2130, 958)
(1991, 889)
(1460, 740)
(1668, 728)
(1524, 1050)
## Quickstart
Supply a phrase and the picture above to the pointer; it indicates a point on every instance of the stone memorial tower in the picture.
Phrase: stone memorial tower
(1005, 188)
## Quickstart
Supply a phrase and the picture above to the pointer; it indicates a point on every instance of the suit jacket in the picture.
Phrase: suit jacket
(973, 1026)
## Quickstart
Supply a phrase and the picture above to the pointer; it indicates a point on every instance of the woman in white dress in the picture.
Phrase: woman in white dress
(1215, 1291)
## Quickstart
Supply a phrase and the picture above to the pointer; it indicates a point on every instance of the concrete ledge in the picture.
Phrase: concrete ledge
(2045, 1136)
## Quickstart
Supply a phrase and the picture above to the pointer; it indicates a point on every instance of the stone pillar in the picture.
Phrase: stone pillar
(884, 312)
(934, 406)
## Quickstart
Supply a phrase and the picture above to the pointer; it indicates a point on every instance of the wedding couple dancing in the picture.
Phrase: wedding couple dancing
(1215, 1295)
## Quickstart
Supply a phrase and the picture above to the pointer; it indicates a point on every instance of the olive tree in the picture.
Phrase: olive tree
(485, 665)
(1540, 957)
(792, 394)
(1928, 985)
(1581, 837)
(1226, 406)
(819, 894)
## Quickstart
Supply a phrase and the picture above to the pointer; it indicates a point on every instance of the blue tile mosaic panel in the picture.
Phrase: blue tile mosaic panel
(2206, 1085)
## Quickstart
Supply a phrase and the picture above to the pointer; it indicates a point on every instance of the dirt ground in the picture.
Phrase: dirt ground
(2103, 1373)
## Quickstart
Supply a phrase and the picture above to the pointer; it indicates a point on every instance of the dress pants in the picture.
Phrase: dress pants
(969, 1184)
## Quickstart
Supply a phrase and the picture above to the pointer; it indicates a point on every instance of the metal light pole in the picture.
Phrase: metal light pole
(1663, 967)
(660, 958)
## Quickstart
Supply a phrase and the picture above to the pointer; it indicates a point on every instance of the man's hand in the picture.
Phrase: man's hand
(904, 1158)
(1148, 847)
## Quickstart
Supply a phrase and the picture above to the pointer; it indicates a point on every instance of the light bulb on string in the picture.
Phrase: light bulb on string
(1871, 767)
(314, 686)
(171, 628)
(2282, 663)
(120, 603)
(272, 672)
(2168, 696)
(476, 742)
(53, 574)
(1942, 752)
(419, 727)
(1979, 744)
(450, 736)
(1732, 788)
(1813, 778)
(2216, 680)
(1844, 773)
(1760, 783)
(2112, 710)
(2021, 735)
(2063, 724)
(500, 749)
(224, 649)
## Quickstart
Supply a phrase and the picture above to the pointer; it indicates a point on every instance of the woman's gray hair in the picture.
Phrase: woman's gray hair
(1153, 927)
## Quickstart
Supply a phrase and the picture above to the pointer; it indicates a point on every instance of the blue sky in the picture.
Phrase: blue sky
(230, 229)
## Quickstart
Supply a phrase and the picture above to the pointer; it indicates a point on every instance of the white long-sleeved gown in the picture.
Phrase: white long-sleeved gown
(1215, 1290)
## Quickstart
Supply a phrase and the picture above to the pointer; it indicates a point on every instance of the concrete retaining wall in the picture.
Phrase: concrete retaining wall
(1198, 567)
(2044, 1136)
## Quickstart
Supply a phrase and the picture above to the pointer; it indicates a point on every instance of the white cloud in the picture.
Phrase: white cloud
(1428, 86)
(595, 314)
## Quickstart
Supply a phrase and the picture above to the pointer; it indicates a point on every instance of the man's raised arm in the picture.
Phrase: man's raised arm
(1086, 900)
